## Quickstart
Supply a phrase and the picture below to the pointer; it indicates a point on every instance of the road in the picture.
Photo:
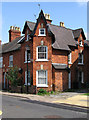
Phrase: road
(15, 107)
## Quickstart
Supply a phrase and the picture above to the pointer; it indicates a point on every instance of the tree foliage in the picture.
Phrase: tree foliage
(13, 76)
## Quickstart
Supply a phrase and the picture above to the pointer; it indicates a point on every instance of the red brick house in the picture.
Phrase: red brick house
(57, 56)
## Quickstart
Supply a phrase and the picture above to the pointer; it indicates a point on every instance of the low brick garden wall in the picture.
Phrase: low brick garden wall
(23, 89)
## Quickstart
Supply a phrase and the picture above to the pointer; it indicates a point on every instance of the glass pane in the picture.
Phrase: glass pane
(41, 81)
(41, 31)
(40, 49)
(41, 74)
(28, 56)
(40, 55)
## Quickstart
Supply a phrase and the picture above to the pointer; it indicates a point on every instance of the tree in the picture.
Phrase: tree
(13, 76)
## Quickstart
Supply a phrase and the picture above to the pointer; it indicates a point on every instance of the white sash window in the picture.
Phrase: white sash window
(41, 76)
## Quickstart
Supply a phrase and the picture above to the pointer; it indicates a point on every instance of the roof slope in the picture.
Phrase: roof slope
(11, 46)
(63, 36)
(86, 43)
(77, 33)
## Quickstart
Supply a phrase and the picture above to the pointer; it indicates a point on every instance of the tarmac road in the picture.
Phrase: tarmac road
(16, 107)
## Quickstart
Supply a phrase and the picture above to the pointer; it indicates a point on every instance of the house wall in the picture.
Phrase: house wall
(47, 65)
(57, 79)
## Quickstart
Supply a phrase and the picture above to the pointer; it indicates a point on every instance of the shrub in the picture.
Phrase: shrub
(42, 91)
(52, 92)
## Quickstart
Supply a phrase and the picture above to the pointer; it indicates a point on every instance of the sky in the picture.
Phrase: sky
(73, 14)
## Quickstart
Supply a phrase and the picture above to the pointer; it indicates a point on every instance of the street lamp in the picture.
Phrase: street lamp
(27, 48)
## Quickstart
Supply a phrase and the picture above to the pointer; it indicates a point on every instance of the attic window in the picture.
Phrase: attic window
(80, 43)
(42, 32)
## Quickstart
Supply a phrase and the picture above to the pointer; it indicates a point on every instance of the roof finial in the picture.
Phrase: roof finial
(39, 6)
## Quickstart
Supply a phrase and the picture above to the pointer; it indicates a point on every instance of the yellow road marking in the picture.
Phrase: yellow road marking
(0, 112)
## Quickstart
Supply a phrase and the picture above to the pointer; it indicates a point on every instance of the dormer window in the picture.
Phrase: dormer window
(80, 43)
(42, 32)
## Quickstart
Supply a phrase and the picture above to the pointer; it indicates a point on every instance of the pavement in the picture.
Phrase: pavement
(67, 98)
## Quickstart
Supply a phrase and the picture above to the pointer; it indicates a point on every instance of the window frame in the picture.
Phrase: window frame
(27, 36)
(40, 32)
(1, 62)
(26, 56)
(10, 65)
(79, 59)
(82, 76)
(81, 43)
(70, 56)
(42, 85)
(45, 52)
(28, 78)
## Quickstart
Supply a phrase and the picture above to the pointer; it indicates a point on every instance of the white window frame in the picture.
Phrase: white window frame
(82, 59)
(82, 75)
(26, 57)
(42, 85)
(26, 78)
(70, 56)
(69, 80)
(37, 59)
(10, 60)
(1, 62)
(40, 31)
(80, 43)
(27, 39)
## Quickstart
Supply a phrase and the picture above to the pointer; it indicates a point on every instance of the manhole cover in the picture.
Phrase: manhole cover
(52, 116)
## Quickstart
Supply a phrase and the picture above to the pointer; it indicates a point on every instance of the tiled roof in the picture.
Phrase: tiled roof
(63, 37)
(11, 46)
(86, 43)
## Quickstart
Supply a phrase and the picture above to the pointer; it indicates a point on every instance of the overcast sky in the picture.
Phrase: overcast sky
(73, 14)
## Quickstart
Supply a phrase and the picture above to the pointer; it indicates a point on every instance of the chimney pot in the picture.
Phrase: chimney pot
(62, 24)
(47, 17)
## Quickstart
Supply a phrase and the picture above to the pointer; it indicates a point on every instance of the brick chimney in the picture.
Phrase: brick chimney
(48, 20)
(0, 42)
(14, 32)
